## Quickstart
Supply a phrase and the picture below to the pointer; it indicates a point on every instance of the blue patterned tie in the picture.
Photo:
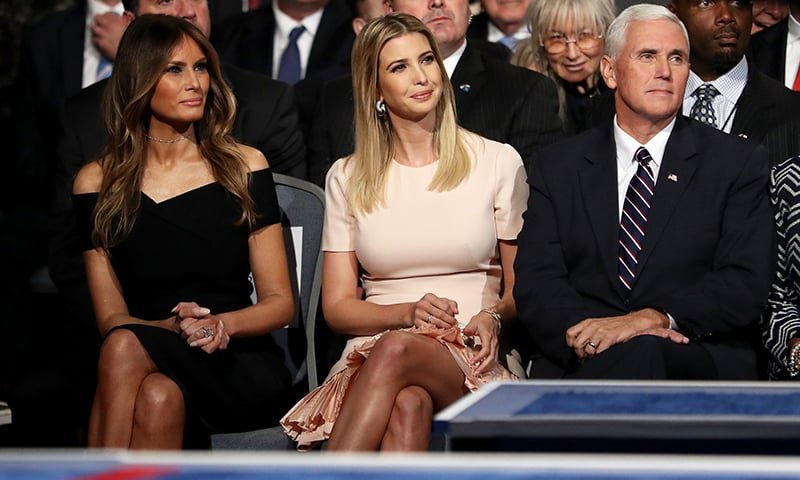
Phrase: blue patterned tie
(104, 68)
(633, 225)
(703, 109)
(509, 41)
(289, 68)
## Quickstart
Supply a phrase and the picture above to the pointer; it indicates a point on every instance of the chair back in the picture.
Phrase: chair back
(302, 213)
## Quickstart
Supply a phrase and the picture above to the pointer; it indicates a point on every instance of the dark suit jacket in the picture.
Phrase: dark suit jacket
(247, 42)
(266, 119)
(478, 30)
(767, 50)
(50, 69)
(763, 106)
(499, 101)
(708, 257)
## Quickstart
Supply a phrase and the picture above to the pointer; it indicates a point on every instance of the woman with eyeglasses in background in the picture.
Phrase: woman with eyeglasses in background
(566, 44)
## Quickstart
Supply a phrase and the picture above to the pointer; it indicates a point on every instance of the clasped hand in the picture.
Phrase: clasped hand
(596, 335)
(441, 312)
(200, 328)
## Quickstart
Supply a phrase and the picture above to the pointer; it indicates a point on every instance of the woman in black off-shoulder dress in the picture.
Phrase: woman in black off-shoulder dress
(175, 216)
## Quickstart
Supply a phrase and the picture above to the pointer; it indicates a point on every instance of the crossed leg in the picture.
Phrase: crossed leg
(123, 368)
(398, 360)
(409, 428)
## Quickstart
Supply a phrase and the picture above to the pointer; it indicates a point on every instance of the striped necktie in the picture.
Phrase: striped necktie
(633, 225)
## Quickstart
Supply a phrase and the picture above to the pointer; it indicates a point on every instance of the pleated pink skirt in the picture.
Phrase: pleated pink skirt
(311, 420)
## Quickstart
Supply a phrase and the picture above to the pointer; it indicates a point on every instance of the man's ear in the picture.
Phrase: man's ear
(387, 6)
(672, 7)
(128, 16)
(357, 24)
(608, 71)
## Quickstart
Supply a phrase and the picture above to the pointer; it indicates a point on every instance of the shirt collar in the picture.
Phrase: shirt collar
(794, 30)
(730, 84)
(451, 61)
(627, 145)
(494, 34)
(96, 7)
(285, 23)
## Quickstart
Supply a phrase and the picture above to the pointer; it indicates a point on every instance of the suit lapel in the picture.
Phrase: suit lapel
(71, 41)
(746, 120)
(677, 168)
(598, 178)
(467, 80)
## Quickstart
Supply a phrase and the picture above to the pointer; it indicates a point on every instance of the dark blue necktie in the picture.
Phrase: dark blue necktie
(633, 225)
(289, 68)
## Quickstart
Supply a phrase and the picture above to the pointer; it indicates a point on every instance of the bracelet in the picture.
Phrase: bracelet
(794, 360)
(496, 315)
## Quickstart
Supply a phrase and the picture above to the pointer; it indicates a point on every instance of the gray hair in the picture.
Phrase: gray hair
(615, 35)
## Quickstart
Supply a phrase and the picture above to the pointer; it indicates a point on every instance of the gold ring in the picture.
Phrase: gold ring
(591, 344)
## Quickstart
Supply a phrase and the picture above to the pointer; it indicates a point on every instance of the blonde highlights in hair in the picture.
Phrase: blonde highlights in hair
(374, 139)
(144, 51)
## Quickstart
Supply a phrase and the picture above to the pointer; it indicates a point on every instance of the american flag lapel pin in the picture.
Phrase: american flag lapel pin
(465, 87)
(672, 177)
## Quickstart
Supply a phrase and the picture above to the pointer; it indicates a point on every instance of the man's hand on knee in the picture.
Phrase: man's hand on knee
(595, 335)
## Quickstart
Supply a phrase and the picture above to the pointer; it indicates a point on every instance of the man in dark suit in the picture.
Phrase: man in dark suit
(768, 48)
(648, 245)
(747, 103)
(59, 55)
(266, 119)
(253, 41)
(501, 21)
(499, 101)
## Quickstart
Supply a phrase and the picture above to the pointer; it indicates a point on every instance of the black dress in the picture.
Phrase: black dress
(189, 249)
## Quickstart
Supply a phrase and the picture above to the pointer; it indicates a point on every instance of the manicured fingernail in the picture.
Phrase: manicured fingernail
(193, 344)
(204, 311)
(174, 309)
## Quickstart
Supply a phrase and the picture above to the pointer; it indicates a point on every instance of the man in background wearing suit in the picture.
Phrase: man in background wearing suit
(499, 101)
(776, 50)
(266, 119)
(301, 42)
(647, 249)
(501, 21)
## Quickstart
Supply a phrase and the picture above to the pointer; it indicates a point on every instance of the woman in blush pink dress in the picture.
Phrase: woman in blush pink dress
(426, 215)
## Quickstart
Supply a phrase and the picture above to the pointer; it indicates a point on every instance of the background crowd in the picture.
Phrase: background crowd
(528, 75)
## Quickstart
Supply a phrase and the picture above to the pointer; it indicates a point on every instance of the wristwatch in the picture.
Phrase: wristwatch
(794, 360)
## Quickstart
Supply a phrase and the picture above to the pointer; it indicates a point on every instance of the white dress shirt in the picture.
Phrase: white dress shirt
(626, 165)
(91, 56)
(792, 52)
(730, 86)
(451, 62)
(285, 24)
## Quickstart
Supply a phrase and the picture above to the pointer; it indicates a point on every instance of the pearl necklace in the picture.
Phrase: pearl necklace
(161, 140)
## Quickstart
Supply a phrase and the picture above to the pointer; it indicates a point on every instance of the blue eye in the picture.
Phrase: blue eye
(174, 69)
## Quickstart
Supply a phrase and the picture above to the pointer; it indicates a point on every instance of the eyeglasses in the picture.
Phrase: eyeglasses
(558, 42)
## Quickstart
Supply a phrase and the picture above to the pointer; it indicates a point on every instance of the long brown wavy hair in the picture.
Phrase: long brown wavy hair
(374, 137)
(144, 51)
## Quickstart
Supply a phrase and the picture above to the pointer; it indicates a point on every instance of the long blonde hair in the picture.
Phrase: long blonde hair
(543, 15)
(374, 141)
(144, 51)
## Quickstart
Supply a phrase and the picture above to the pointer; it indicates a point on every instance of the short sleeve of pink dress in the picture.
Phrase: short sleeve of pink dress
(421, 240)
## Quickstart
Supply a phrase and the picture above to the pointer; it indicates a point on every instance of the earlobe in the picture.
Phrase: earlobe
(671, 6)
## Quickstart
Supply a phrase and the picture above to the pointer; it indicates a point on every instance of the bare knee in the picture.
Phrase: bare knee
(391, 352)
(413, 406)
(159, 404)
(120, 354)
(410, 422)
